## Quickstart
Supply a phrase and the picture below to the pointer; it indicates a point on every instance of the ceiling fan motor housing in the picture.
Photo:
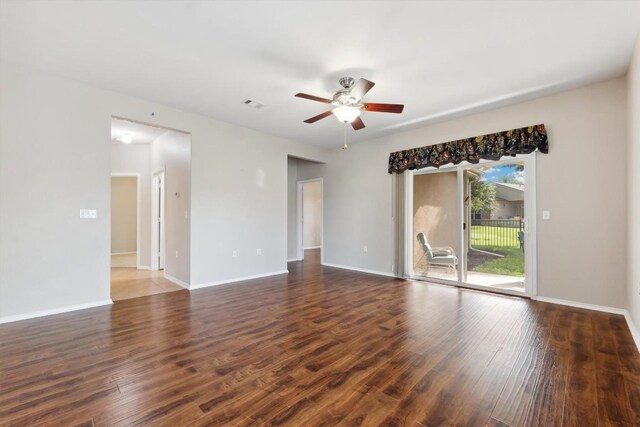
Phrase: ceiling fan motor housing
(341, 97)
(347, 82)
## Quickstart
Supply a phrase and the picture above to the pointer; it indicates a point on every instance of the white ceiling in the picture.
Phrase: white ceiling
(439, 58)
(140, 133)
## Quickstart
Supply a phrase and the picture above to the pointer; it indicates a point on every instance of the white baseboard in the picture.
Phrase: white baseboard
(293, 260)
(313, 247)
(632, 327)
(176, 281)
(603, 308)
(123, 253)
(238, 279)
(42, 313)
(635, 334)
(362, 270)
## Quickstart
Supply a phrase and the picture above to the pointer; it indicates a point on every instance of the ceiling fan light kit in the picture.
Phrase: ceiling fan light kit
(346, 114)
(347, 103)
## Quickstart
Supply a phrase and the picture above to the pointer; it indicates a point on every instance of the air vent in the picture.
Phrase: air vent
(253, 104)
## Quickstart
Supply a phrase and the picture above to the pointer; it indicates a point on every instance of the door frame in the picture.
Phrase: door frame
(137, 177)
(158, 260)
(530, 260)
(300, 218)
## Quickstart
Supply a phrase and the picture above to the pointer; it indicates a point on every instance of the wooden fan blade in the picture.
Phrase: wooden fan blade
(359, 89)
(313, 98)
(318, 117)
(357, 124)
(383, 108)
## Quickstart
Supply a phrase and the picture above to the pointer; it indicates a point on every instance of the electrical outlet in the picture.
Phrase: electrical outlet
(259, 251)
(234, 254)
(186, 215)
(392, 270)
(365, 249)
(176, 254)
(546, 215)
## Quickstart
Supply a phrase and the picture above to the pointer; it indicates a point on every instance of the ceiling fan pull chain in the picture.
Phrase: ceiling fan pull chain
(345, 146)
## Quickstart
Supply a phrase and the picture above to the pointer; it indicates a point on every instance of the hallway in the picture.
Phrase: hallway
(129, 283)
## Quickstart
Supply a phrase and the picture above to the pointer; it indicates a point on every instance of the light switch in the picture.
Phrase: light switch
(88, 213)
(546, 214)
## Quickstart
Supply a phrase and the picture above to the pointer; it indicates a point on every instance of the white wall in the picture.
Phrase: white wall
(582, 181)
(171, 153)
(124, 214)
(633, 194)
(312, 214)
(292, 208)
(134, 158)
(54, 151)
(507, 209)
(55, 137)
(54, 146)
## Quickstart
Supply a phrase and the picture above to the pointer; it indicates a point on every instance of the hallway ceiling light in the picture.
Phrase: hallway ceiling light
(125, 138)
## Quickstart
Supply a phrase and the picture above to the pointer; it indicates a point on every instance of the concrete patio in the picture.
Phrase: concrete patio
(496, 281)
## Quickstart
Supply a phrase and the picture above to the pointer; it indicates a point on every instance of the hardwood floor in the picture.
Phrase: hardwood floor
(132, 283)
(321, 346)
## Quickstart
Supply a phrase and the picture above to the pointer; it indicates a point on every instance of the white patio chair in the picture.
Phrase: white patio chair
(443, 256)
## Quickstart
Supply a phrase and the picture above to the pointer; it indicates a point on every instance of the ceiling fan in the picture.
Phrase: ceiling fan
(348, 105)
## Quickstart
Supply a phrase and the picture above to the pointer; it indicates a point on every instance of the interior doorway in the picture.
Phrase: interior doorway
(310, 217)
(125, 220)
(158, 160)
(474, 225)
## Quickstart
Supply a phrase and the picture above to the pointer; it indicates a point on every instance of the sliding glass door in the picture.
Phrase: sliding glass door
(471, 225)
(494, 226)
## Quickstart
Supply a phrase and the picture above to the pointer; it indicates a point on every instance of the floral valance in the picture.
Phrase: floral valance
(490, 147)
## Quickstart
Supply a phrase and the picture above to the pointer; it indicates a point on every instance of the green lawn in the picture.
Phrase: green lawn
(511, 265)
(499, 240)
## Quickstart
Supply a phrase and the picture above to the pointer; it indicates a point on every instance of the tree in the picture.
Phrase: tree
(509, 179)
(515, 177)
(483, 196)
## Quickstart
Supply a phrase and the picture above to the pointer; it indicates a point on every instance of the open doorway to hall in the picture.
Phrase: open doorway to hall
(305, 210)
(124, 220)
(150, 209)
(310, 237)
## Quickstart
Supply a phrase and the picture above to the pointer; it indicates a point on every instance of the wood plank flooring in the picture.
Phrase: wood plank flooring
(321, 347)
(129, 283)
